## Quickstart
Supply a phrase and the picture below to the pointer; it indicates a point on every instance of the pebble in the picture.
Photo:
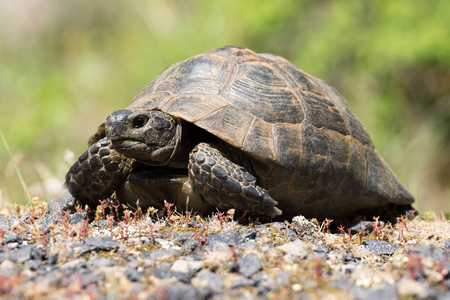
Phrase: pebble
(294, 251)
(387, 291)
(241, 281)
(95, 244)
(230, 237)
(364, 226)
(446, 245)
(380, 247)
(209, 283)
(249, 265)
(175, 290)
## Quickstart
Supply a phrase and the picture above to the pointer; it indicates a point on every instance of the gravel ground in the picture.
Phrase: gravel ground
(181, 257)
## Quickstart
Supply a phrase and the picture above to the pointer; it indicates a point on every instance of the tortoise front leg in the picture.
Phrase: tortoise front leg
(225, 184)
(95, 176)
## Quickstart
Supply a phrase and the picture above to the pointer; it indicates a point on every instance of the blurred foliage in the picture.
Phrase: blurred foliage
(65, 65)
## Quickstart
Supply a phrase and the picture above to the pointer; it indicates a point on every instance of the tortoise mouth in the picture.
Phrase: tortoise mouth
(126, 145)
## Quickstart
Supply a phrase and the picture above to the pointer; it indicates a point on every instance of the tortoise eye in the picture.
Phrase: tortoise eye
(139, 121)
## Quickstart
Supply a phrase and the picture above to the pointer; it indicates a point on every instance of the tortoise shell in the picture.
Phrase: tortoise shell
(307, 147)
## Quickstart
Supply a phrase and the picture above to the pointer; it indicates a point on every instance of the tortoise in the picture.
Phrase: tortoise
(230, 128)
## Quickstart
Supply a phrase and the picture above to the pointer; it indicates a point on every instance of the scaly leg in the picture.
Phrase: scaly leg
(225, 184)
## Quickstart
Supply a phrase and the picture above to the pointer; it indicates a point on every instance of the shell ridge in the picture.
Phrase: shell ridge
(293, 87)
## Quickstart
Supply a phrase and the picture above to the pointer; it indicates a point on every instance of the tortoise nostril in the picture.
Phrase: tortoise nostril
(139, 121)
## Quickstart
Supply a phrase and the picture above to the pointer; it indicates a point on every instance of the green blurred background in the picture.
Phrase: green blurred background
(65, 65)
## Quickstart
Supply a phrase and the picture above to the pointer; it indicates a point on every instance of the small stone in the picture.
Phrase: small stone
(13, 221)
(184, 269)
(294, 251)
(385, 292)
(190, 245)
(290, 234)
(19, 255)
(96, 244)
(218, 246)
(278, 225)
(249, 265)
(4, 223)
(159, 254)
(241, 281)
(195, 224)
(445, 245)
(133, 274)
(181, 291)
(283, 278)
(33, 264)
(264, 283)
(209, 283)
(11, 237)
(162, 271)
(356, 228)
(304, 227)
(380, 247)
(103, 224)
(182, 237)
(230, 237)
(427, 251)
(77, 218)
(249, 234)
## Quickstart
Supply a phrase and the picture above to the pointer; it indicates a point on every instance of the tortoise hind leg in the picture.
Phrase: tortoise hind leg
(225, 184)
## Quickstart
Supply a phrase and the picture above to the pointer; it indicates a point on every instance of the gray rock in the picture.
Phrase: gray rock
(184, 269)
(380, 247)
(444, 295)
(294, 250)
(365, 226)
(321, 252)
(230, 237)
(186, 265)
(181, 291)
(11, 237)
(445, 245)
(249, 234)
(208, 283)
(162, 271)
(385, 292)
(33, 264)
(190, 245)
(133, 274)
(4, 224)
(19, 255)
(182, 237)
(427, 251)
(283, 278)
(249, 265)
(217, 246)
(77, 218)
(195, 224)
(103, 224)
(91, 278)
(264, 283)
(159, 254)
(290, 234)
(13, 221)
(96, 244)
(241, 281)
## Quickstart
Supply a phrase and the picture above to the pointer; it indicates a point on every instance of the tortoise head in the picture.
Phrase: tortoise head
(149, 136)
